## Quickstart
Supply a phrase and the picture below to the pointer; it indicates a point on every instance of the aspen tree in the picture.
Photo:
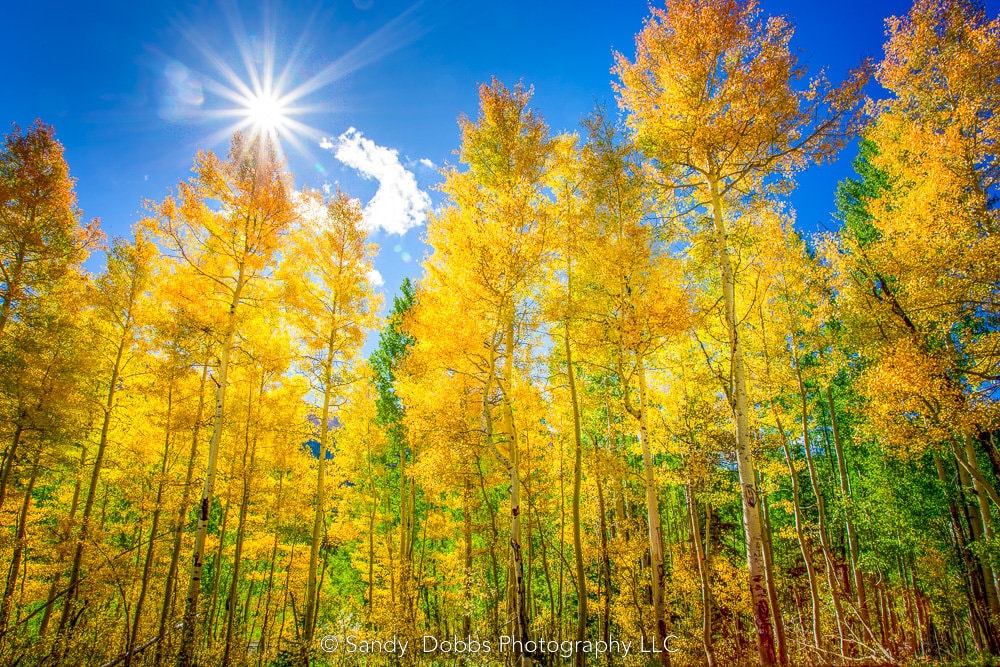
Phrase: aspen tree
(224, 227)
(41, 235)
(711, 100)
(633, 305)
(490, 243)
(118, 298)
(43, 244)
(330, 302)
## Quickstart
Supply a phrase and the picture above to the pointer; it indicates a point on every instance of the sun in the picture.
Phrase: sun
(259, 101)
(261, 107)
(270, 103)
(267, 113)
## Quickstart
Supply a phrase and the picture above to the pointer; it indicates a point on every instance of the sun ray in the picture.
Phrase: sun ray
(397, 33)
(264, 100)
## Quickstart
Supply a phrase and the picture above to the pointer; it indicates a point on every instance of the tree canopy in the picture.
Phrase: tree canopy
(628, 413)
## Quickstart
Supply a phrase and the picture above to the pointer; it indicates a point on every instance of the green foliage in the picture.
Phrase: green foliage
(393, 342)
(869, 359)
(854, 194)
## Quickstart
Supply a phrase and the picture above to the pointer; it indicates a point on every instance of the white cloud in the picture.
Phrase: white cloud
(399, 204)
(375, 278)
(427, 163)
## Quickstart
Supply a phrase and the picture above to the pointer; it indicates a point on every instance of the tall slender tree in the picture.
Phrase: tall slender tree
(226, 251)
(711, 99)
(490, 244)
(330, 302)
(117, 320)
(41, 231)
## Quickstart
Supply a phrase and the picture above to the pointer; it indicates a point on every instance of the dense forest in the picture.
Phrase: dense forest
(628, 414)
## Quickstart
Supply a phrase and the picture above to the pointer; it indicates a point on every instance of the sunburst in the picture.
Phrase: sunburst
(267, 113)
(262, 101)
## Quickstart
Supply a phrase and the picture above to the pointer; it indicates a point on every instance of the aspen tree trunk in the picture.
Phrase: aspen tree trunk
(581, 580)
(404, 532)
(708, 533)
(976, 527)
(167, 608)
(265, 625)
(516, 594)
(406, 541)
(148, 564)
(185, 656)
(706, 589)
(657, 573)
(891, 617)
(908, 622)
(371, 557)
(772, 590)
(249, 451)
(53, 587)
(322, 571)
(529, 545)
(803, 541)
(852, 538)
(744, 455)
(916, 612)
(245, 621)
(883, 622)
(390, 551)
(562, 540)
(467, 579)
(10, 456)
(232, 597)
(520, 601)
(256, 608)
(605, 557)
(13, 283)
(621, 518)
(984, 508)
(547, 572)
(20, 541)
(824, 538)
(209, 621)
(288, 596)
(319, 516)
(521, 626)
(494, 532)
(979, 609)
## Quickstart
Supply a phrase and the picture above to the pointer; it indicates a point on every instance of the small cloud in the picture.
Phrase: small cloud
(427, 163)
(375, 278)
(399, 204)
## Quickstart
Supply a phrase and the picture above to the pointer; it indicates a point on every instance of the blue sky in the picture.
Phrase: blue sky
(120, 82)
